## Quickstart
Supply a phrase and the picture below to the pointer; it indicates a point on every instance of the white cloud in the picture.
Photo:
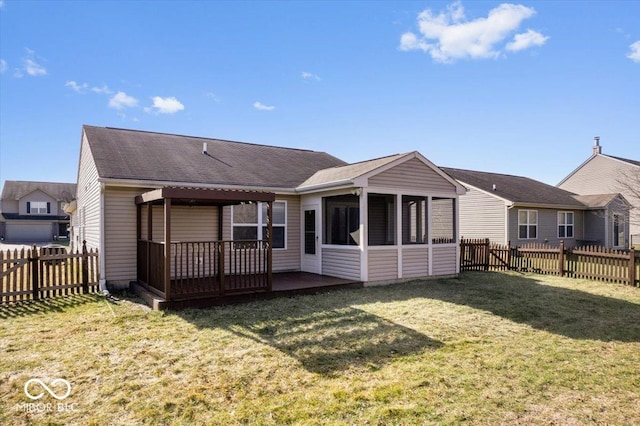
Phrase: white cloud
(449, 35)
(165, 105)
(104, 90)
(121, 101)
(30, 66)
(309, 76)
(526, 40)
(634, 54)
(260, 106)
(3, 65)
(79, 88)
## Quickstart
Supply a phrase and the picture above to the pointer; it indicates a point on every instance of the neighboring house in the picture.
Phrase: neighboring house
(33, 211)
(602, 173)
(518, 210)
(382, 219)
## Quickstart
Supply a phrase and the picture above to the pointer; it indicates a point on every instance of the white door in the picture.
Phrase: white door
(311, 239)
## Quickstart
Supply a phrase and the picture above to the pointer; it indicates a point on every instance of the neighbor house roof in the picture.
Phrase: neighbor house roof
(598, 200)
(122, 154)
(517, 189)
(15, 190)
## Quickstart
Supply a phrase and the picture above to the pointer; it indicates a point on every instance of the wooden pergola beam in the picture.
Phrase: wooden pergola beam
(203, 196)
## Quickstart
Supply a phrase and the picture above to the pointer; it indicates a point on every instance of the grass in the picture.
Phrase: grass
(489, 348)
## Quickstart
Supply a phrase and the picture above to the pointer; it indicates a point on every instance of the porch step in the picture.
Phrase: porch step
(154, 301)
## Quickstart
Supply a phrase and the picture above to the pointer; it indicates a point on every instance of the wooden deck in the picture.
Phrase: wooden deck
(285, 284)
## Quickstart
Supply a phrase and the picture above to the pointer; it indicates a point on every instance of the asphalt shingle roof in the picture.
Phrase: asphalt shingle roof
(16, 189)
(517, 189)
(139, 155)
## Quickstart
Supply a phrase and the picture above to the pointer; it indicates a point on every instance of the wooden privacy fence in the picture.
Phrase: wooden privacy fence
(591, 262)
(34, 274)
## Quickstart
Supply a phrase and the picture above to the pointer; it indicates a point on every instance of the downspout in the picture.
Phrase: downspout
(103, 280)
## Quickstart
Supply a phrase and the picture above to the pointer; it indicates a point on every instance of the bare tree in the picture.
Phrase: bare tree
(629, 185)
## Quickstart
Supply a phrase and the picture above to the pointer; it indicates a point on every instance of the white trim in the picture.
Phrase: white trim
(317, 207)
(430, 233)
(102, 243)
(126, 183)
(364, 235)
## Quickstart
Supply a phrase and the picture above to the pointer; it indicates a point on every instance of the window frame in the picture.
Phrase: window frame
(261, 223)
(566, 225)
(421, 220)
(38, 207)
(528, 224)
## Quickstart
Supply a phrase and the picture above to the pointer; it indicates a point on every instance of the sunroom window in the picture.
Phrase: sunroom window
(414, 220)
(342, 220)
(443, 220)
(382, 219)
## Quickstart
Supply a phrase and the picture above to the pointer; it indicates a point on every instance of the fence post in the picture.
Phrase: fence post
(85, 268)
(561, 259)
(35, 276)
(221, 267)
(632, 267)
(486, 254)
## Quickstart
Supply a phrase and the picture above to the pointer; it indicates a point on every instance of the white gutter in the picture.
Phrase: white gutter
(160, 184)
(339, 184)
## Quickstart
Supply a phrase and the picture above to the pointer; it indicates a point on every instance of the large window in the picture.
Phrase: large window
(38, 207)
(565, 224)
(250, 222)
(443, 220)
(527, 224)
(414, 220)
(382, 219)
(342, 220)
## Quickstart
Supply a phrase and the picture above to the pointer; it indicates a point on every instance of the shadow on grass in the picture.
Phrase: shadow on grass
(325, 340)
(527, 300)
(56, 304)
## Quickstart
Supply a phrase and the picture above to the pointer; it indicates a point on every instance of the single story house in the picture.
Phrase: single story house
(602, 173)
(33, 212)
(378, 220)
(519, 210)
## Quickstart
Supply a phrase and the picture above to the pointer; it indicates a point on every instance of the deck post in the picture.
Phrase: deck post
(270, 247)
(149, 239)
(561, 259)
(632, 267)
(167, 248)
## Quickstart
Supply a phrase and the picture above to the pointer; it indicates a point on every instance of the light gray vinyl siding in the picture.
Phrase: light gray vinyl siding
(601, 175)
(383, 264)
(482, 216)
(415, 261)
(412, 174)
(9, 206)
(87, 214)
(340, 262)
(120, 234)
(197, 223)
(547, 227)
(444, 260)
(594, 225)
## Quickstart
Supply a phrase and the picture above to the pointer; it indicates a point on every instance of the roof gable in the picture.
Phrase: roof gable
(358, 174)
(122, 154)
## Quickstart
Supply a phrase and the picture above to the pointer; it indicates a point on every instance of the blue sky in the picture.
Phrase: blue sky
(519, 88)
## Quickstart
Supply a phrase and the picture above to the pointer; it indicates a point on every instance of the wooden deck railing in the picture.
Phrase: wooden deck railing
(205, 268)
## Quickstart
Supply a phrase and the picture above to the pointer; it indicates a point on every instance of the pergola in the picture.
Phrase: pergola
(159, 255)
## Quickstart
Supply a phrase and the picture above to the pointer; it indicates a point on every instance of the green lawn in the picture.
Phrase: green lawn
(489, 348)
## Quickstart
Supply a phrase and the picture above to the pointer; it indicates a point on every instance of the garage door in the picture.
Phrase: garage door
(28, 232)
